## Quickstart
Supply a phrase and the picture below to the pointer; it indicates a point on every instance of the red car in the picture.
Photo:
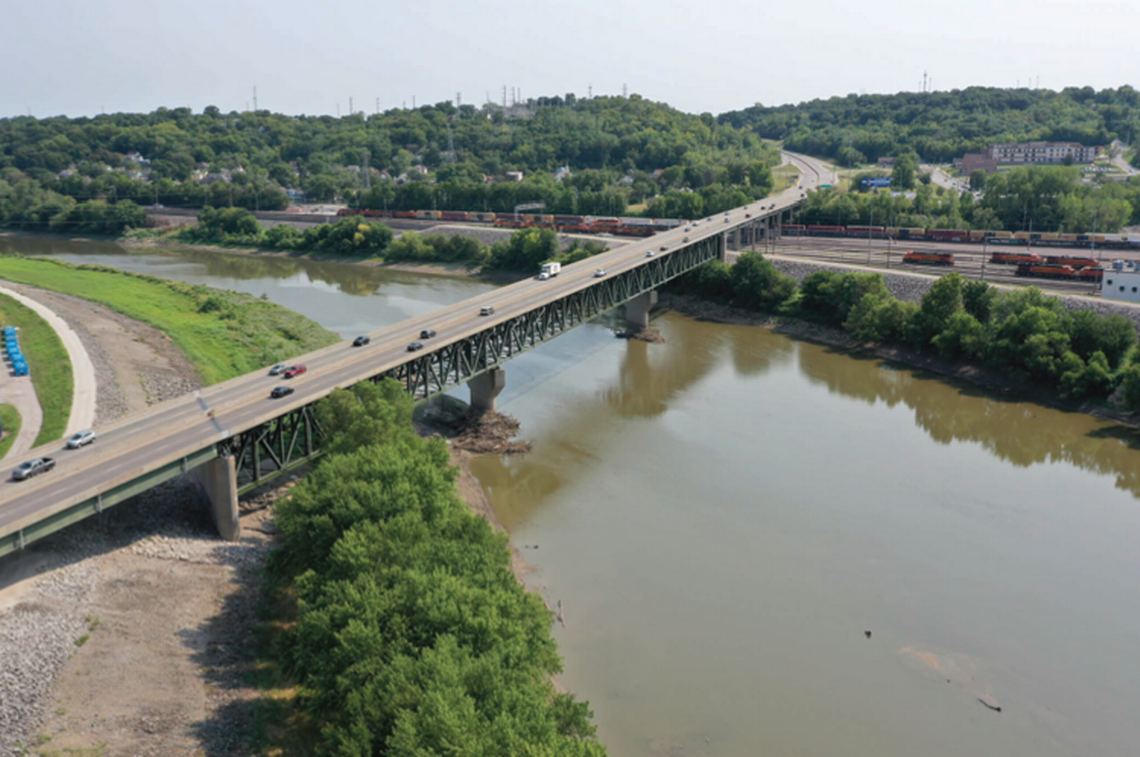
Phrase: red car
(295, 370)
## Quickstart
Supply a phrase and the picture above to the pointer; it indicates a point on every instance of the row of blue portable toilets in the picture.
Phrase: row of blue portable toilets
(12, 347)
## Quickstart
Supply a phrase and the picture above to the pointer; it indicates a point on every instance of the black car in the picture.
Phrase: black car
(281, 391)
(415, 346)
(361, 340)
(427, 333)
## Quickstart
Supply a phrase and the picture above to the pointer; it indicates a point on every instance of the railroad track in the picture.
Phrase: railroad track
(972, 265)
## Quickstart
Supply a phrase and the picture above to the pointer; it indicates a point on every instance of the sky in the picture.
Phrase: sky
(84, 57)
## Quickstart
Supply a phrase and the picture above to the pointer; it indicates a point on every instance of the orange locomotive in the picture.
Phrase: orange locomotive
(929, 258)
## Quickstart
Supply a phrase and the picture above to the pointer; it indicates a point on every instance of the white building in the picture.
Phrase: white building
(1121, 285)
(1041, 152)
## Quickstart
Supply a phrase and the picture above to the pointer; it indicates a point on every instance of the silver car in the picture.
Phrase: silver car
(82, 439)
(278, 369)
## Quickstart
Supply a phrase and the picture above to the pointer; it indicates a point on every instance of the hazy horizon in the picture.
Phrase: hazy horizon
(133, 56)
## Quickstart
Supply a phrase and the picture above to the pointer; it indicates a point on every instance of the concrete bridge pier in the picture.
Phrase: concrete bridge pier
(217, 480)
(637, 311)
(722, 247)
(485, 388)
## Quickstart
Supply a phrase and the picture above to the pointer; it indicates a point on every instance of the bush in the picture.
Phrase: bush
(412, 635)
(830, 296)
(880, 319)
(1080, 379)
(942, 301)
(757, 285)
(963, 337)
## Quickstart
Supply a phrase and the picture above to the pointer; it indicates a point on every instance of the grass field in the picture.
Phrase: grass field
(48, 364)
(784, 176)
(224, 334)
(12, 421)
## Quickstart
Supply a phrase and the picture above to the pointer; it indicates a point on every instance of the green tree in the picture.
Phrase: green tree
(902, 175)
(757, 285)
(942, 301)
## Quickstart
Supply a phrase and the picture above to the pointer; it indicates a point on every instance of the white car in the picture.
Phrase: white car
(599, 273)
(82, 439)
(543, 276)
(649, 254)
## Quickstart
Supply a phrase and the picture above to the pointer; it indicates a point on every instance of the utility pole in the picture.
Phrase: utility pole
(413, 102)
(458, 99)
(504, 97)
(350, 111)
(624, 90)
(589, 92)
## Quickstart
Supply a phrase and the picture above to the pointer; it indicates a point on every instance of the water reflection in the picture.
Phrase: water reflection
(349, 278)
(343, 297)
(1019, 432)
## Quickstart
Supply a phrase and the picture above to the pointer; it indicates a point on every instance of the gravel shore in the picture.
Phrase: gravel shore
(167, 609)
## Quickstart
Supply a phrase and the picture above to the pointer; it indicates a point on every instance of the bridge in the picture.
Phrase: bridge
(234, 437)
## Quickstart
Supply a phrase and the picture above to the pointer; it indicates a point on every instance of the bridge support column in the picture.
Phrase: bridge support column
(485, 388)
(217, 480)
(736, 239)
(722, 247)
(637, 311)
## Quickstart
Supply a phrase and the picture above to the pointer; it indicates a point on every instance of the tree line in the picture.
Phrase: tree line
(1020, 333)
(524, 251)
(411, 636)
(1030, 198)
(620, 151)
(940, 126)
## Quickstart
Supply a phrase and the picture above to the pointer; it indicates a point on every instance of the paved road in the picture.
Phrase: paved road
(172, 430)
(82, 414)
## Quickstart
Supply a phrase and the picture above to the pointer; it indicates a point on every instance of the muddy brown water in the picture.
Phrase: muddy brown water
(723, 516)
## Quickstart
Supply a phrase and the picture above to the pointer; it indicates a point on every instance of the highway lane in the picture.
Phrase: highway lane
(176, 428)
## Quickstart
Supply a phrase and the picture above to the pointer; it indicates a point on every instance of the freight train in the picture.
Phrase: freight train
(628, 227)
(1055, 271)
(929, 258)
(1017, 238)
(1066, 267)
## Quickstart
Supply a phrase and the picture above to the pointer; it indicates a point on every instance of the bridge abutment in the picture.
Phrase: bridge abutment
(217, 480)
(637, 310)
(485, 388)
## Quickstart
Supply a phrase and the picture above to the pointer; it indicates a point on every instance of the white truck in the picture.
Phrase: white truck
(549, 271)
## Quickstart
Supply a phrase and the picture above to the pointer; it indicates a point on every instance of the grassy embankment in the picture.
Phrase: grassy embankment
(224, 334)
(12, 421)
(49, 365)
(784, 176)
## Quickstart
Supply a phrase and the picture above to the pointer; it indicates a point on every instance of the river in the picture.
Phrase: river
(725, 515)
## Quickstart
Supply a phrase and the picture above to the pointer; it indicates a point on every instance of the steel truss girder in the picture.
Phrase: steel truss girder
(264, 452)
(447, 367)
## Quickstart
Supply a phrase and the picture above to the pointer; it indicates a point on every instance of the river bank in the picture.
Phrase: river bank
(835, 337)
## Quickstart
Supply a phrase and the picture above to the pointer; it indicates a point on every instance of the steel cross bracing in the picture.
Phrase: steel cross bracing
(264, 452)
(452, 365)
